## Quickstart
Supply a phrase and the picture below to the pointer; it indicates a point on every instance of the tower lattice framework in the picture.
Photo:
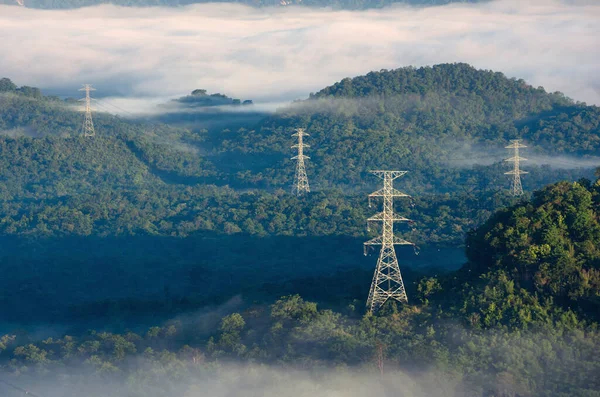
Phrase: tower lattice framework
(516, 187)
(387, 281)
(88, 124)
(300, 185)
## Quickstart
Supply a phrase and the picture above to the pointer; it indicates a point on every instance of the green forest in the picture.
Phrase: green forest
(165, 253)
(519, 319)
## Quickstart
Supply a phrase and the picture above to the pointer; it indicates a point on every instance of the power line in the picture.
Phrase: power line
(26, 392)
(101, 106)
(116, 107)
(133, 115)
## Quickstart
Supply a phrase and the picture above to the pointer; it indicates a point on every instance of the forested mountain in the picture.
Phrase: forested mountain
(344, 4)
(140, 198)
(428, 120)
(206, 201)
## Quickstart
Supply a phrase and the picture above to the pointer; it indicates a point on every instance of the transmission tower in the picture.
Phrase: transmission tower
(88, 125)
(516, 187)
(387, 280)
(300, 179)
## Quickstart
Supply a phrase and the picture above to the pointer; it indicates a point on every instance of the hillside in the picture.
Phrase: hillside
(434, 121)
(202, 202)
(139, 198)
(548, 246)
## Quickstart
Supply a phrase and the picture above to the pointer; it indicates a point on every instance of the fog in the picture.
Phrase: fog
(496, 156)
(546, 354)
(281, 54)
(246, 380)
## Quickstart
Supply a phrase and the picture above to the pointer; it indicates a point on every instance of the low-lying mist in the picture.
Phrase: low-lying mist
(244, 380)
(490, 157)
(457, 363)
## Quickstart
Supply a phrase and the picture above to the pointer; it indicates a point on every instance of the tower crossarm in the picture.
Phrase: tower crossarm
(87, 87)
(374, 241)
(517, 172)
(301, 157)
(390, 174)
(300, 132)
(515, 144)
(516, 159)
(392, 193)
(380, 217)
(379, 241)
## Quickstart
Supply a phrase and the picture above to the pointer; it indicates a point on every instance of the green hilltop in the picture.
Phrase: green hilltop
(426, 120)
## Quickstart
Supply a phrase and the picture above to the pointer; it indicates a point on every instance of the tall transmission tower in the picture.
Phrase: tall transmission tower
(300, 179)
(516, 187)
(88, 124)
(387, 280)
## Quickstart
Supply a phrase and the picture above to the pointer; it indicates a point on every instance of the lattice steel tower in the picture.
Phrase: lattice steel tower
(387, 280)
(88, 124)
(516, 187)
(300, 179)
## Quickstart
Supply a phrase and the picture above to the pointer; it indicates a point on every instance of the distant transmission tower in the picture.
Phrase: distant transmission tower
(516, 187)
(88, 125)
(300, 179)
(387, 280)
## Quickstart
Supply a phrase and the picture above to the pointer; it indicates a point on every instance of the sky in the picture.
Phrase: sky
(280, 54)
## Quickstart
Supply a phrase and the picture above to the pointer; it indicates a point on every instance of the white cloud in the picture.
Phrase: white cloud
(278, 54)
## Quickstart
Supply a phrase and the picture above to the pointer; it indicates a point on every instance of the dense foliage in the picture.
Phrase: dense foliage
(548, 246)
(147, 184)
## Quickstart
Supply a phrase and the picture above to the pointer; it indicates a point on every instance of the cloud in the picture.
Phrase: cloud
(557, 162)
(465, 154)
(276, 54)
